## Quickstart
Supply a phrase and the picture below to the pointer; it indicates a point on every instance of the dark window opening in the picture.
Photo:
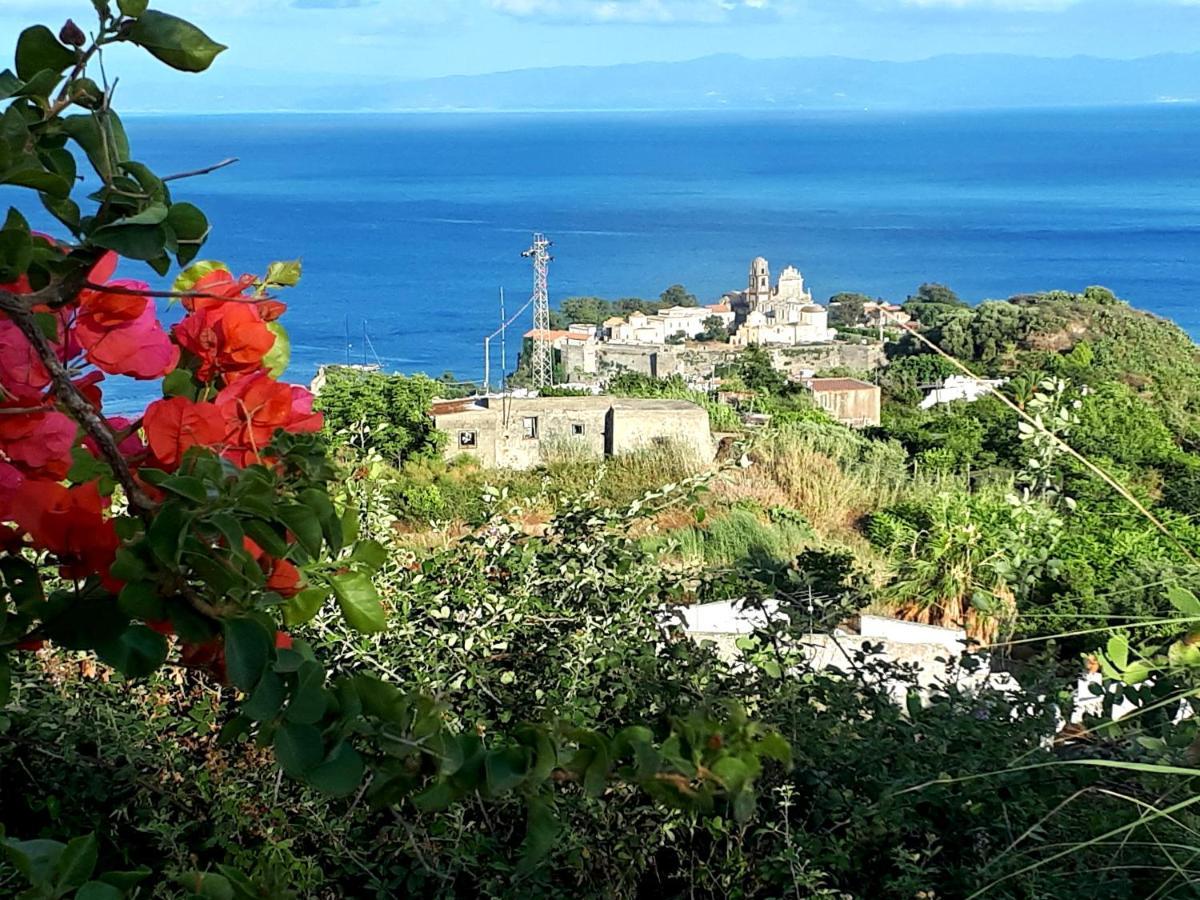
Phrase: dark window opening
(466, 439)
(577, 429)
(531, 428)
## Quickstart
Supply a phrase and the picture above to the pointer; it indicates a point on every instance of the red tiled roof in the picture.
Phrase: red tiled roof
(551, 335)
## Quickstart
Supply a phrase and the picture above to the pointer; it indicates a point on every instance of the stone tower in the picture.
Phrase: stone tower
(760, 283)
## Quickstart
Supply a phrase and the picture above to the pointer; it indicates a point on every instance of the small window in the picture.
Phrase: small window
(531, 428)
(577, 428)
(467, 440)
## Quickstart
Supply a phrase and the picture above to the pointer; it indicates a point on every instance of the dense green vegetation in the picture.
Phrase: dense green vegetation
(240, 659)
(594, 310)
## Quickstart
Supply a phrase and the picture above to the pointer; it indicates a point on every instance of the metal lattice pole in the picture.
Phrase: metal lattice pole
(543, 346)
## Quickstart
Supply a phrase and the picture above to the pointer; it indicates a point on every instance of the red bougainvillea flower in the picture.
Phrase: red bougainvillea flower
(22, 375)
(11, 480)
(120, 333)
(228, 338)
(175, 425)
(70, 524)
(284, 579)
(219, 286)
(39, 443)
(283, 640)
(255, 407)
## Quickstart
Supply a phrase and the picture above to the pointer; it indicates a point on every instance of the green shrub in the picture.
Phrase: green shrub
(385, 413)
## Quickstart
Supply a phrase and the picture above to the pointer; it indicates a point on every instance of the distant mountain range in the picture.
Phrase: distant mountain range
(730, 82)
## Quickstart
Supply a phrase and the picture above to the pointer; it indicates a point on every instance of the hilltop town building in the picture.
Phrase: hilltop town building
(850, 401)
(658, 328)
(519, 432)
(781, 315)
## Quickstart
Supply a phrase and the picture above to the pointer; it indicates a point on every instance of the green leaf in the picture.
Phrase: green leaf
(280, 354)
(284, 274)
(38, 49)
(137, 653)
(132, 8)
(36, 860)
(174, 41)
(154, 214)
(1118, 650)
(64, 209)
(31, 175)
(302, 522)
(186, 280)
(77, 862)
(126, 881)
(340, 774)
(266, 537)
(179, 384)
(9, 84)
(743, 805)
(102, 137)
(774, 745)
(505, 769)
(98, 890)
(5, 681)
(301, 608)
(359, 602)
(166, 533)
(298, 748)
(1184, 601)
(141, 242)
(266, 700)
(206, 885)
(731, 772)
(247, 651)
(191, 230)
(309, 698)
(41, 85)
(370, 554)
(16, 253)
(187, 486)
(541, 833)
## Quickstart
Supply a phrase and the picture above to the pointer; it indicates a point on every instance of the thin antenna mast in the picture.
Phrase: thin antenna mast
(543, 347)
(503, 344)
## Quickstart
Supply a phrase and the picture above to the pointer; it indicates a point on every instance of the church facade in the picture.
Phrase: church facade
(779, 314)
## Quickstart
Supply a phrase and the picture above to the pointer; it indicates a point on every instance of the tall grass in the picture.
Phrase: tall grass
(737, 537)
(623, 478)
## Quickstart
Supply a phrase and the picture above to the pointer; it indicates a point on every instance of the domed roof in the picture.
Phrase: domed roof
(813, 309)
(760, 262)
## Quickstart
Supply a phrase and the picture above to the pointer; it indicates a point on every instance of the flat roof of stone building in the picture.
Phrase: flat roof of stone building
(839, 384)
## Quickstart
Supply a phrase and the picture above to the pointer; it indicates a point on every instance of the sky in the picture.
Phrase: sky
(307, 42)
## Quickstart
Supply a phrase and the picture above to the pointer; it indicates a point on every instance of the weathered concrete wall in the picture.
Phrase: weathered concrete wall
(863, 357)
(857, 408)
(643, 424)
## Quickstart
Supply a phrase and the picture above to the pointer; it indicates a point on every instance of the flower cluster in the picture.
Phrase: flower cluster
(223, 397)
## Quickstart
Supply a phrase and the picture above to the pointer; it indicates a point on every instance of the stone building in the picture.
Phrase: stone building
(781, 315)
(850, 401)
(519, 432)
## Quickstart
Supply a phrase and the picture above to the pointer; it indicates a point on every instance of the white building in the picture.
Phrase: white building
(657, 328)
(959, 387)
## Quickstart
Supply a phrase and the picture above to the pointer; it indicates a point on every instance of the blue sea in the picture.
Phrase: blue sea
(408, 225)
